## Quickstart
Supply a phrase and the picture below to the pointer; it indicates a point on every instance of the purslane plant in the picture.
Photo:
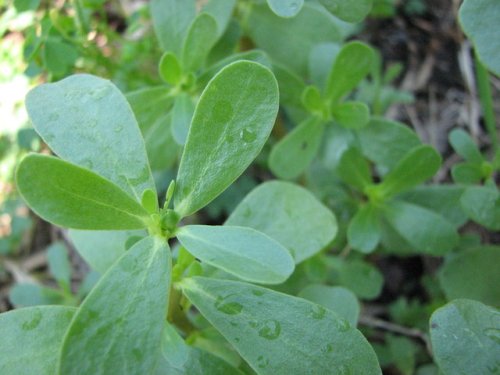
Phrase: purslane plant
(105, 184)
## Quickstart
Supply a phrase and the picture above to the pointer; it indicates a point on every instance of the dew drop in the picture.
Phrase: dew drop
(318, 312)
(228, 307)
(247, 212)
(262, 361)
(247, 136)
(257, 292)
(54, 116)
(236, 339)
(118, 128)
(270, 330)
(33, 322)
(343, 325)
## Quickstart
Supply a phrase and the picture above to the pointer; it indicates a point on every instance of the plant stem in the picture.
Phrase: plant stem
(486, 99)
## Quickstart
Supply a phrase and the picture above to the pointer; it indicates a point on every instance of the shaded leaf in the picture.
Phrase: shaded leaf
(482, 204)
(364, 230)
(74, 197)
(354, 169)
(286, 8)
(349, 10)
(200, 38)
(352, 115)
(242, 252)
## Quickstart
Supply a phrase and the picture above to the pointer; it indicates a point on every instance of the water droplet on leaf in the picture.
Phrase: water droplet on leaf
(228, 307)
(33, 322)
(270, 330)
(318, 312)
(247, 135)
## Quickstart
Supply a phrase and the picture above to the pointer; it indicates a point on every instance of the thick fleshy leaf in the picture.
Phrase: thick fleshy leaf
(424, 229)
(340, 300)
(170, 68)
(100, 249)
(178, 358)
(465, 336)
(320, 62)
(290, 214)
(221, 11)
(269, 329)
(417, 166)
(354, 169)
(118, 328)
(171, 21)
(473, 274)
(292, 154)
(387, 142)
(312, 25)
(87, 121)
(201, 37)
(482, 204)
(70, 196)
(182, 113)
(349, 10)
(286, 8)
(231, 123)
(351, 66)
(443, 199)
(242, 252)
(31, 339)
(467, 173)
(352, 115)
(464, 146)
(479, 19)
(364, 230)
(28, 294)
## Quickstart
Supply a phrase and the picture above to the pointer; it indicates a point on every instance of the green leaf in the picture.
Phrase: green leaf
(242, 252)
(171, 21)
(386, 142)
(425, 230)
(286, 8)
(201, 37)
(31, 339)
(177, 358)
(354, 169)
(291, 156)
(467, 173)
(340, 300)
(170, 68)
(362, 278)
(231, 123)
(349, 10)
(118, 327)
(162, 149)
(465, 338)
(59, 57)
(351, 66)
(352, 115)
(271, 338)
(100, 249)
(182, 113)
(479, 20)
(312, 100)
(290, 214)
(67, 195)
(420, 164)
(291, 86)
(221, 11)
(482, 204)
(320, 62)
(473, 274)
(59, 266)
(443, 199)
(363, 231)
(312, 25)
(464, 146)
(86, 120)
(27, 294)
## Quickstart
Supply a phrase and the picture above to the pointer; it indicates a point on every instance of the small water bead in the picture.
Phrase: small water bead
(328, 348)
(318, 312)
(493, 334)
(270, 330)
(118, 128)
(262, 361)
(247, 135)
(33, 322)
(228, 307)
(100, 92)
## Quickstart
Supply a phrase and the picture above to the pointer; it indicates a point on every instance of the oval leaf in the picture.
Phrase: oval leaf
(269, 330)
(31, 339)
(231, 123)
(201, 36)
(464, 146)
(354, 169)
(465, 338)
(460, 276)
(286, 8)
(243, 252)
(482, 204)
(117, 329)
(479, 19)
(67, 195)
(290, 214)
(351, 66)
(417, 166)
(352, 115)
(363, 232)
(424, 229)
(87, 121)
(293, 153)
